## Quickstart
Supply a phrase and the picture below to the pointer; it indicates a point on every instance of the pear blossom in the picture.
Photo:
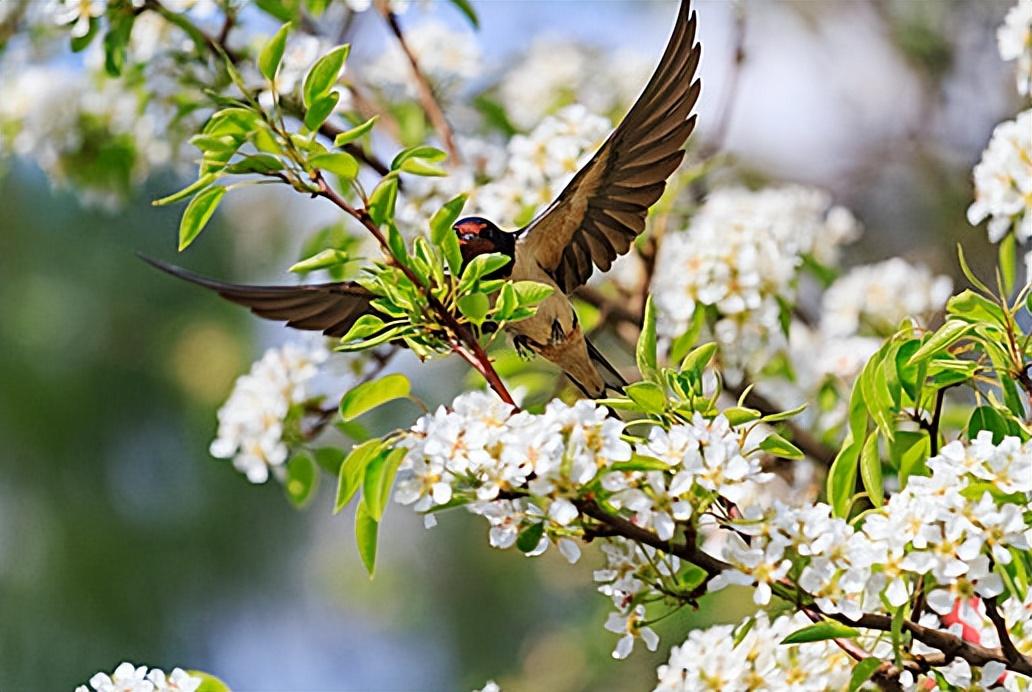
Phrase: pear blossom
(1003, 181)
(78, 13)
(1014, 40)
(129, 678)
(630, 626)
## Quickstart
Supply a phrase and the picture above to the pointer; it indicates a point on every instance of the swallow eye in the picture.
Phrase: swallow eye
(467, 236)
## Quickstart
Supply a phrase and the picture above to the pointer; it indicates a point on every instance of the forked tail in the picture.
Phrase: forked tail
(612, 378)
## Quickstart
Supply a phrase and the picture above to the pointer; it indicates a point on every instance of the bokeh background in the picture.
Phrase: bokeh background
(120, 538)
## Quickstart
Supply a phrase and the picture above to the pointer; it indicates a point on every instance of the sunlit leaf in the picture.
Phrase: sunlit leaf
(366, 529)
(323, 75)
(354, 133)
(272, 53)
(302, 479)
(198, 213)
(369, 395)
(829, 629)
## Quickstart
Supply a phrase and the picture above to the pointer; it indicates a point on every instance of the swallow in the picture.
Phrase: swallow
(594, 219)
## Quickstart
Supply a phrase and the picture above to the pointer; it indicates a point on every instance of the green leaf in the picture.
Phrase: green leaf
(339, 163)
(199, 184)
(474, 306)
(968, 305)
(352, 471)
(987, 418)
(975, 281)
(116, 41)
(209, 683)
(355, 133)
(466, 7)
(322, 260)
(696, 361)
(897, 634)
(369, 395)
(479, 266)
(871, 471)
(198, 213)
(329, 459)
(681, 344)
(691, 577)
(739, 415)
(444, 218)
(272, 53)
(640, 462)
(378, 480)
(363, 327)
(321, 109)
(383, 200)
(908, 453)
(323, 75)
(366, 529)
(821, 631)
(262, 164)
(80, 43)
(530, 537)
(862, 672)
(531, 293)
(645, 350)
(302, 479)
(842, 475)
(779, 446)
(417, 167)
(1008, 262)
(942, 339)
(649, 395)
(421, 152)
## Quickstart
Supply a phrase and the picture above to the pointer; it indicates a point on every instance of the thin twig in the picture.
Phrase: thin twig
(730, 96)
(426, 92)
(1014, 657)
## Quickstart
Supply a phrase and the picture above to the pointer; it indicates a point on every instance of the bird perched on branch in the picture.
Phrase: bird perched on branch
(592, 221)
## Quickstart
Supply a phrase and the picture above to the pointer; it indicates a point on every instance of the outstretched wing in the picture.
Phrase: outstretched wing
(330, 308)
(601, 211)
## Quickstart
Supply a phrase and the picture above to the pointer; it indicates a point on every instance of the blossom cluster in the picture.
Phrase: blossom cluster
(740, 254)
(1014, 40)
(1003, 180)
(875, 298)
(514, 181)
(252, 421)
(939, 525)
(716, 659)
(129, 678)
(557, 72)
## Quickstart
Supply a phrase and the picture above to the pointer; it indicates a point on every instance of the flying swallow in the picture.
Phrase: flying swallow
(594, 219)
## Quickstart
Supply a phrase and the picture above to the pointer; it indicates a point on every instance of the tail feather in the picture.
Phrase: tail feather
(610, 375)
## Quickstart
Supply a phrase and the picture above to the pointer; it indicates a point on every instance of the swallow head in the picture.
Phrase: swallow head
(478, 236)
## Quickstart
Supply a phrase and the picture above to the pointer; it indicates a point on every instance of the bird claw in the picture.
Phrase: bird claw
(558, 335)
(522, 344)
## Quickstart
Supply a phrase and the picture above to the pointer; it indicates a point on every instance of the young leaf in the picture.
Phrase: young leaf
(530, 537)
(199, 184)
(828, 629)
(466, 8)
(369, 395)
(379, 477)
(474, 306)
(366, 529)
(975, 281)
(323, 75)
(320, 109)
(862, 672)
(364, 326)
(480, 266)
(421, 152)
(779, 446)
(530, 293)
(272, 53)
(383, 199)
(696, 361)
(870, 470)
(987, 418)
(355, 132)
(323, 260)
(1008, 262)
(648, 395)
(645, 350)
(417, 167)
(302, 479)
(339, 163)
(262, 164)
(352, 471)
(842, 477)
(209, 683)
(942, 339)
(198, 213)
(444, 218)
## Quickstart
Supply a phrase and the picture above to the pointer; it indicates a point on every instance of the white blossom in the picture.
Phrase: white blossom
(879, 296)
(1003, 180)
(710, 660)
(78, 13)
(252, 419)
(1014, 39)
(129, 678)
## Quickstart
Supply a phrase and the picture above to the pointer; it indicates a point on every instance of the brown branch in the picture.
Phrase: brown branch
(1014, 657)
(464, 342)
(426, 92)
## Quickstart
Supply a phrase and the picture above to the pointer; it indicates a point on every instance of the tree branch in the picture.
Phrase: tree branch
(1014, 657)
(426, 92)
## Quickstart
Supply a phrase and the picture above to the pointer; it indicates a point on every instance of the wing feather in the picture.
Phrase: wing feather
(331, 308)
(596, 217)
